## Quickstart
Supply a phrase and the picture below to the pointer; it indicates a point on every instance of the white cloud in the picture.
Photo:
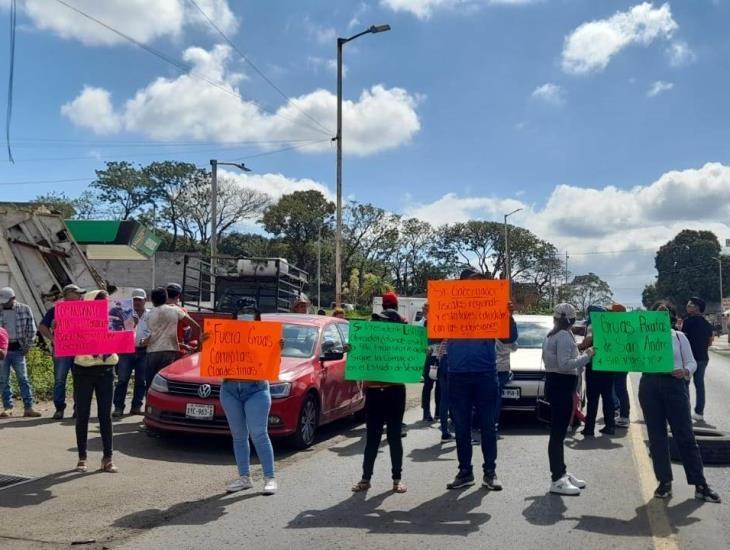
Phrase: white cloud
(187, 107)
(659, 87)
(590, 47)
(424, 9)
(325, 36)
(143, 20)
(320, 63)
(277, 185)
(550, 93)
(680, 54)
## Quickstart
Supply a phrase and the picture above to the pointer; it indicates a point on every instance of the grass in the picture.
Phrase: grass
(40, 375)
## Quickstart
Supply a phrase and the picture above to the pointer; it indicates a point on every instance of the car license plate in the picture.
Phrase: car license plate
(199, 412)
(511, 393)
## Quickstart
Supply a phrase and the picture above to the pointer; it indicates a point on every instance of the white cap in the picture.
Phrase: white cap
(564, 310)
(139, 293)
(6, 294)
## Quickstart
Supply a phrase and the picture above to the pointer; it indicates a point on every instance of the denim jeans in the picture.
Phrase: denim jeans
(622, 393)
(444, 408)
(247, 406)
(503, 378)
(559, 391)
(130, 363)
(699, 380)
(469, 391)
(16, 361)
(87, 382)
(665, 399)
(61, 368)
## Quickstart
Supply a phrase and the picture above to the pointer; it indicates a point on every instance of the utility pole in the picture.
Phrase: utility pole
(213, 213)
(507, 266)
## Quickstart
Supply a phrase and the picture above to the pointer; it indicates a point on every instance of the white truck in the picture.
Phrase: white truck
(409, 308)
(38, 256)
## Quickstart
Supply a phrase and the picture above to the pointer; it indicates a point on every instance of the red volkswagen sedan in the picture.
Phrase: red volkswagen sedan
(311, 390)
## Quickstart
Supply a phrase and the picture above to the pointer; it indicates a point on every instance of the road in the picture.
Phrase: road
(168, 493)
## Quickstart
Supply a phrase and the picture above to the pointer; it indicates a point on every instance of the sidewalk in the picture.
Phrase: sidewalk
(720, 344)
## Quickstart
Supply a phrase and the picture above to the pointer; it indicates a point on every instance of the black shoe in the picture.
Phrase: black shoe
(664, 491)
(492, 483)
(586, 433)
(427, 417)
(608, 431)
(461, 480)
(118, 413)
(58, 415)
(703, 492)
(446, 437)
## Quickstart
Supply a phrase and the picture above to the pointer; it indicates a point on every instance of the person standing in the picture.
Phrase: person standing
(428, 382)
(504, 373)
(474, 386)
(17, 320)
(700, 335)
(301, 305)
(133, 362)
(385, 404)
(563, 364)
(174, 294)
(620, 386)
(443, 381)
(664, 399)
(61, 365)
(599, 386)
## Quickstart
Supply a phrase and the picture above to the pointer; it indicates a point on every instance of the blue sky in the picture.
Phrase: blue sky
(605, 121)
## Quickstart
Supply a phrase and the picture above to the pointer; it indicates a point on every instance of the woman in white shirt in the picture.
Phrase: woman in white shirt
(664, 398)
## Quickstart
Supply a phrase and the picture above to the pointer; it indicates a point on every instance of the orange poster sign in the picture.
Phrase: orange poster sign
(241, 350)
(468, 309)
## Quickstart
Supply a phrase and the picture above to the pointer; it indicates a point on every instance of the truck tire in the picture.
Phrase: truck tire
(307, 424)
(714, 446)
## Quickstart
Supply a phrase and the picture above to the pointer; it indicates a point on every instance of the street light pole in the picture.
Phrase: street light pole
(338, 138)
(719, 263)
(507, 266)
(319, 267)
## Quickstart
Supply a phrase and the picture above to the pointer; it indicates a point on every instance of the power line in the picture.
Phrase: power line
(255, 68)
(300, 146)
(223, 86)
(54, 142)
(35, 182)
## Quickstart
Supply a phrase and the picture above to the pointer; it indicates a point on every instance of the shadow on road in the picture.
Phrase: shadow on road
(600, 443)
(37, 491)
(435, 453)
(449, 514)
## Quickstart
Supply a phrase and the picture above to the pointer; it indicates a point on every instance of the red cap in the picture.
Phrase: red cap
(390, 300)
(617, 307)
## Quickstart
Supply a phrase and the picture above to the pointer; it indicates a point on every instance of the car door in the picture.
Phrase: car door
(355, 388)
(333, 387)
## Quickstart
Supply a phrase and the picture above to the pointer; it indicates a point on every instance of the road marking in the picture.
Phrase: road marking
(662, 534)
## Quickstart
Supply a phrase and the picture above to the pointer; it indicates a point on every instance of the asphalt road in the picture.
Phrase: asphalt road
(169, 492)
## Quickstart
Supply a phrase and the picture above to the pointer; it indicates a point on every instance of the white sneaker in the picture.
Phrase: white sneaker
(563, 486)
(243, 482)
(622, 422)
(577, 482)
(698, 417)
(270, 486)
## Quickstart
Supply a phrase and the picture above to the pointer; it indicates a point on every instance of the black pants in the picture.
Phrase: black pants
(428, 385)
(156, 361)
(559, 390)
(384, 405)
(87, 382)
(599, 385)
(665, 399)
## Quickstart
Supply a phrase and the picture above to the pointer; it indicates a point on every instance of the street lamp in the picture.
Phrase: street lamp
(718, 259)
(507, 266)
(214, 204)
(375, 29)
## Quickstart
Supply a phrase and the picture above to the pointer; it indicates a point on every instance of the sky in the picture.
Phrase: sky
(605, 121)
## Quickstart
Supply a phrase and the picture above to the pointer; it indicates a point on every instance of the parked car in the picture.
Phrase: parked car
(311, 390)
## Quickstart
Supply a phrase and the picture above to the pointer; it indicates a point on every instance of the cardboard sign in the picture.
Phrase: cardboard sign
(82, 328)
(121, 314)
(469, 309)
(241, 350)
(386, 352)
(637, 341)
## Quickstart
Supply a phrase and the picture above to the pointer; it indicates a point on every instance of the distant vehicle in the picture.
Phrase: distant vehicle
(311, 390)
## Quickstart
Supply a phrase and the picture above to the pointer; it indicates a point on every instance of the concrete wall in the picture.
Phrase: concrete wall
(168, 268)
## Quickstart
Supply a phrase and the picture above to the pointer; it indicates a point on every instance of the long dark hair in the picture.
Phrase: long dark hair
(664, 305)
(561, 323)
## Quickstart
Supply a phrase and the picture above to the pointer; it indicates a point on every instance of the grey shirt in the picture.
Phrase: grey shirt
(503, 353)
(560, 354)
(11, 325)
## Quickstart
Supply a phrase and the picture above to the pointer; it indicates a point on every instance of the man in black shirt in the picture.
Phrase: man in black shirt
(699, 333)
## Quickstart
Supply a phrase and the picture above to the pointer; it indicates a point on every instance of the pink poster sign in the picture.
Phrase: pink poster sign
(82, 328)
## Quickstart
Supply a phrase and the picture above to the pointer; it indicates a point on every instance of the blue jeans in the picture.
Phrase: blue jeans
(61, 368)
(443, 381)
(469, 391)
(129, 363)
(503, 378)
(16, 361)
(247, 406)
(699, 380)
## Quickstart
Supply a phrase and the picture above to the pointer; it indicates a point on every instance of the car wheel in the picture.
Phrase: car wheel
(714, 446)
(307, 424)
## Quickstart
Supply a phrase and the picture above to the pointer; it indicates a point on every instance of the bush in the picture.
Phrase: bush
(40, 374)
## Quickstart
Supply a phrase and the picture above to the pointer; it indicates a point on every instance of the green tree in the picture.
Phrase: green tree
(123, 187)
(244, 245)
(57, 201)
(589, 289)
(649, 295)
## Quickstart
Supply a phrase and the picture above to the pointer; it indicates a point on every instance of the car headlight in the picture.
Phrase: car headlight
(280, 390)
(159, 383)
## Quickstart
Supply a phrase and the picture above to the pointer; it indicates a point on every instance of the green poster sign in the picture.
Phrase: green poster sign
(636, 341)
(386, 352)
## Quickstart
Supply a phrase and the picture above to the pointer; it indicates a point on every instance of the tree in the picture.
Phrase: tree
(590, 289)
(250, 245)
(124, 187)
(57, 201)
(649, 295)
(471, 243)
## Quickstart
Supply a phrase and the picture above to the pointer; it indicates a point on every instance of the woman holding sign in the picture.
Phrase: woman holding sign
(664, 398)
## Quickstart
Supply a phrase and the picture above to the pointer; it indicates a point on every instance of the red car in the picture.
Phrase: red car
(311, 390)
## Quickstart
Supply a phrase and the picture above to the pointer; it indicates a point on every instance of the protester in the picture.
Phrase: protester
(599, 386)
(664, 398)
(428, 383)
(385, 404)
(473, 385)
(339, 313)
(620, 387)
(300, 305)
(443, 381)
(504, 373)
(133, 362)
(174, 293)
(321, 312)
(3, 343)
(247, 404)
(17, 320)
(563, 364)
(163, 346)
(61, 365)
(93, 375)
(699, 332)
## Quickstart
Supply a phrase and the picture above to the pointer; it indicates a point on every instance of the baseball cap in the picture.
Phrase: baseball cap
(6, 294)
(564, 310)
(617, 308)
(390, 300)
(139, 293)
(73, 288)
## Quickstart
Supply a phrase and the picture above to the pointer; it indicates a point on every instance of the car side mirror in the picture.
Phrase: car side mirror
(330, 352)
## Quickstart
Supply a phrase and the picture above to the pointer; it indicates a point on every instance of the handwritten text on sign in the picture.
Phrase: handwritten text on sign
(82, 328)
(468, 309)
(241, 350)
(386, 352)
(637, 341)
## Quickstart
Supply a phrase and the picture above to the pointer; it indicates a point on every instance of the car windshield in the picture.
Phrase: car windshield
(299, 340)
(531, 334)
